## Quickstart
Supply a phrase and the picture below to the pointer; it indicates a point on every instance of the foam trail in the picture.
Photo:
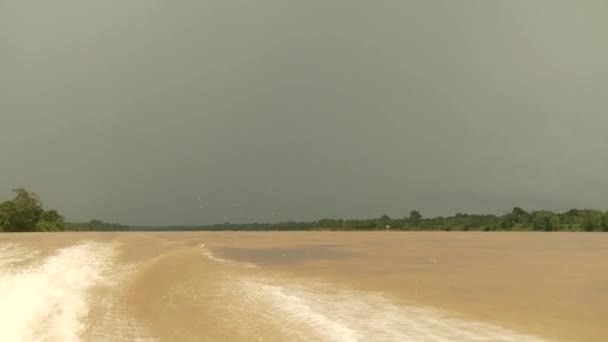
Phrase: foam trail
(114, 316)
(49, 301)
(11, 253)
(207, 253)
(319, 312)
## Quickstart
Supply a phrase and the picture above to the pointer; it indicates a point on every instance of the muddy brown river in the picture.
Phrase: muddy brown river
(304, 286)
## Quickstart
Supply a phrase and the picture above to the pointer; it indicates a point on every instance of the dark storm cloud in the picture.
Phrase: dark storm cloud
(159, 112)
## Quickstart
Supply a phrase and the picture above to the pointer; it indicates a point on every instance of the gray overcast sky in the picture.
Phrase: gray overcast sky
(158, 112)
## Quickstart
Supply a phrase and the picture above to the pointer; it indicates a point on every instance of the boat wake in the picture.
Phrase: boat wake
(12, 254)
(49, 301)
(80, 292)
(209, 255)
(319, 312)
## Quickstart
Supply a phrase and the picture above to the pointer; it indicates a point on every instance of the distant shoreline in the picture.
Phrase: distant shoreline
(169, 230)
(24, 213)
(574, 220)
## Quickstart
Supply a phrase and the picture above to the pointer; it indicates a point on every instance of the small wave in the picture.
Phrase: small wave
(207, 253)
(320, 312)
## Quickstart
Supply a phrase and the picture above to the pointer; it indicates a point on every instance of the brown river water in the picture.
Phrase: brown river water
(304, 286)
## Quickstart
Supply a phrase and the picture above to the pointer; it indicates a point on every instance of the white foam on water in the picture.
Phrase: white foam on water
(50, 301)
(321, 312)
(11, 253)
(207, 253)
(116, 324)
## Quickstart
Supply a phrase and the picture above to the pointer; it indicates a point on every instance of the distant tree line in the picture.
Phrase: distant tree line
(96, 225)
(24, 213)
(517, 220)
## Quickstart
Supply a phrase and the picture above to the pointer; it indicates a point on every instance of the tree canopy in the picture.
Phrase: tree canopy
(24, 213)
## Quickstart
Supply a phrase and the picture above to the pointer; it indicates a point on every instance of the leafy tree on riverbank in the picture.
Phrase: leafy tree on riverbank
(24, 213)
(545, 220)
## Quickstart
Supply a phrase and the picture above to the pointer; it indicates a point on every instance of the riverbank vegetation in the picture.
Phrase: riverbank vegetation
(517, 220)
(95, 225)
(25, 213)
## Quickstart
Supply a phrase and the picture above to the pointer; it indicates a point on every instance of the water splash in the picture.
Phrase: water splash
(50, 301)
(12, 254)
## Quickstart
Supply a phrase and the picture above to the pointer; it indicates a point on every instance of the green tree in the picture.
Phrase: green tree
(22, 212)
(383, 222)
(414, 219)
(545, 220)
(592, 220)
(507, 221)
(517, 211)
(7, 211)
(522, 217)
(51, 221)
(51, 216)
